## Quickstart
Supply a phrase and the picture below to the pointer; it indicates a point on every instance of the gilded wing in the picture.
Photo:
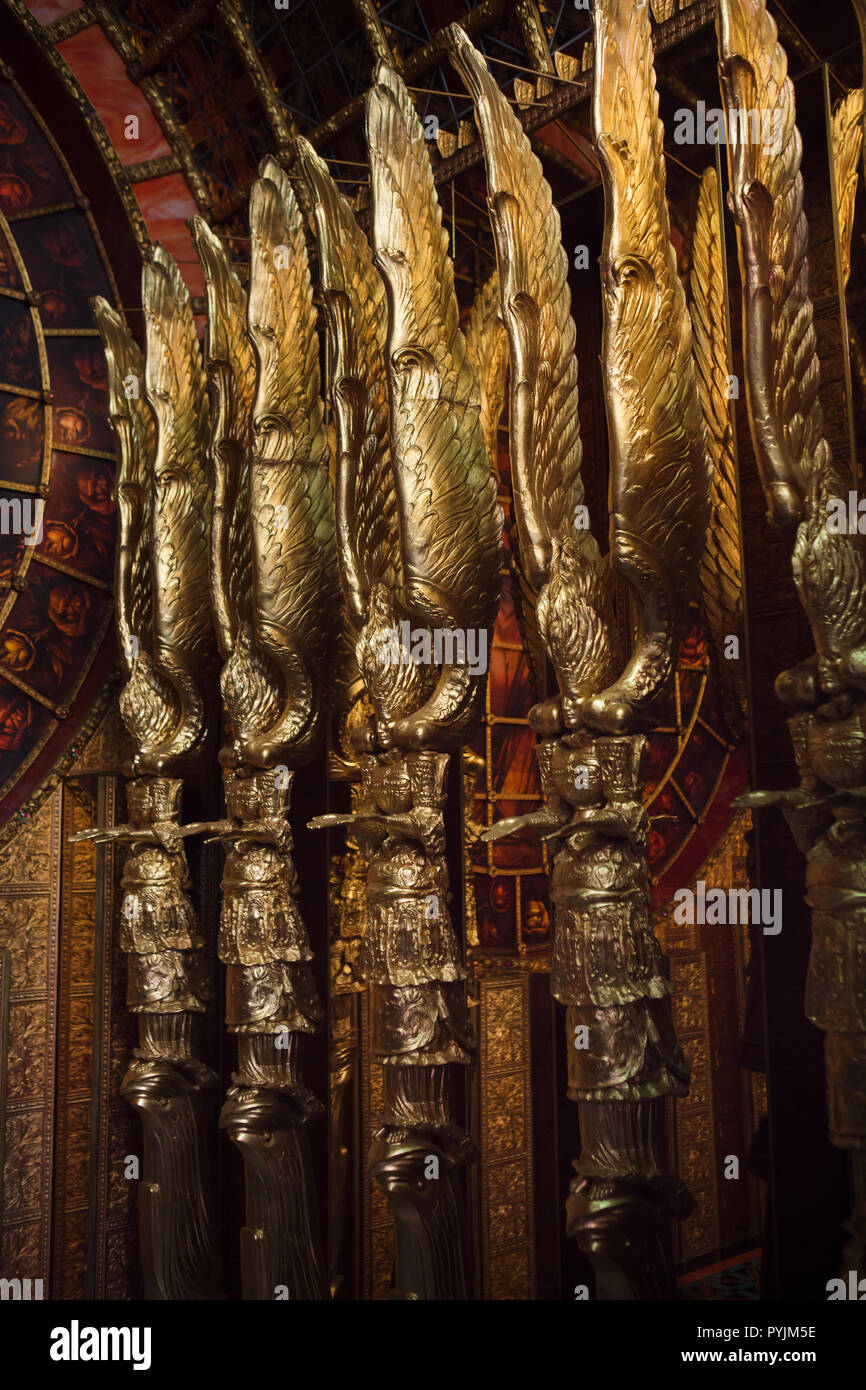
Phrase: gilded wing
(133, 423)
(860, 8)
(291, 508)
(764, 156)
(847, 145)
(721, 566)
(487, 346)
(232, 373)
(558, 554)
(660, 475)
(449, 517)
(357, 315)
(536, 309)
(783, 371)
(183, 632)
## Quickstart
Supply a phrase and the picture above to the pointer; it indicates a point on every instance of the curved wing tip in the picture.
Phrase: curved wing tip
(272, 171)
(469, 62)
(209, 247)
(312, 168)
(162, 266)
(101, 309)
(270, 167)
(386, 75)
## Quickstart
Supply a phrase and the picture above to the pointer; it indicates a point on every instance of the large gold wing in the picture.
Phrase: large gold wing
(487, 346)
(847, 146)
(449, 517)
(783, 370)
(232, 374)
(357, 313)
(659, 483)
(133, 424)
(251, 687)
(183, 646)
(860, 8)
(536, 309)
(721, 566)
(766, 197)
(291, 506)
(558, 554)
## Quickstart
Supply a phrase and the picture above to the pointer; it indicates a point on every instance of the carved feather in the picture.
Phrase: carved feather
(536, 309)
(487, 345)
(182, 631)
(721, 567)
(782, 369)
(450, 521)
(847, 145)
(291, 508)
(860, 8)
(231, 371)
(357, 314)
(555, 545)
(829, 564)
(133, 424)
(659, 485)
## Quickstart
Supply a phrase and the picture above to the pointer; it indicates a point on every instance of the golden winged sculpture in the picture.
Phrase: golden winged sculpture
(487, 345)
(721, 570)
(420, 551)
(847, 146)
(275, 602)
(607, 966)
(159, 412)
(860, 8)
(766, 198)
(847, 139)
(828, 727)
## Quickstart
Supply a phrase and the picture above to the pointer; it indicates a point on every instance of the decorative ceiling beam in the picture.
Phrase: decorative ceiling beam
(282, 126)
(152, 168)
(536, 43)
(566, 96)
(420, 62)
(159, 104)
(374, 33)
(172, 36)
(68, 24)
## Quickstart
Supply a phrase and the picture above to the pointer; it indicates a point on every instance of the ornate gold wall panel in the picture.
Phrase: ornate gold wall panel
(29, 923)
(377, 1229)
(74, 1045)
(4, 1050)
(720, 1114)
(505, 1139)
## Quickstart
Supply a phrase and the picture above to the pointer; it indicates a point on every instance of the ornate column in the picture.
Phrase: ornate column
(274, 595)
(419, 534)
(804, 489)
(623, 1057)
(166, 642)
